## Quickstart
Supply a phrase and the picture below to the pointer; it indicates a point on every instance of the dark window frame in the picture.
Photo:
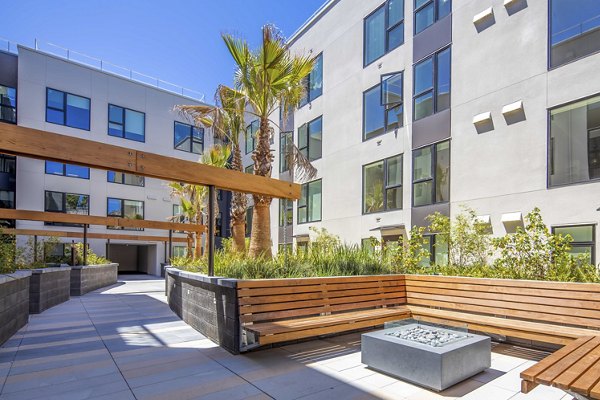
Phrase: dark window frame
(284, 139)
(122, 215)
(191, 137)
(385, 186)
(387, 30)
(307, 98)
(305, 186)
(433, 178)
(10, 107)
(283, 211)
(64, 109)
(253, 137)
(124, 116)
(64, 171)
(591, 243)
(307, 147)
(434, 90)
(64, 207)
(123, 183)
(386, 109)
(436, 12)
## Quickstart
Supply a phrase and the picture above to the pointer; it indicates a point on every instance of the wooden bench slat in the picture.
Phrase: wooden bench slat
(264, 283)
(245, 292)
(585, 383)
(570, 375)
(317, 295)
(533, 371)
(595, 391)
(549, 374)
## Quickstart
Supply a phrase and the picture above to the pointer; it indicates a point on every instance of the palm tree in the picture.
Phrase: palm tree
(268, 77)
(227, 121)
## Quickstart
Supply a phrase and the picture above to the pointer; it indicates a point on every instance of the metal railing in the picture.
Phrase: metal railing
(105, 66)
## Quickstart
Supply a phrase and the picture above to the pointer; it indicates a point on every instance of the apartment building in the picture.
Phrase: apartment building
(47, 92)
(423, 106)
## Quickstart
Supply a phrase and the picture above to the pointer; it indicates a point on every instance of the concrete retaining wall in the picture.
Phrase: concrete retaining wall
(14, 303)
(208, 304)
(48, 287)
(85, 278)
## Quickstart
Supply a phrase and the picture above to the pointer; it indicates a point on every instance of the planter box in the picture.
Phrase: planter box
(14, 303)
(208, 304)
(48, 287)
(85, 278)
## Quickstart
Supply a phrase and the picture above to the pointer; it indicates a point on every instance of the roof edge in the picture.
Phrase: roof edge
(317, 15)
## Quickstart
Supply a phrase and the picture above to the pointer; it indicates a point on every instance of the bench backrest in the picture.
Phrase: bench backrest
(574, 304)
(273, 299)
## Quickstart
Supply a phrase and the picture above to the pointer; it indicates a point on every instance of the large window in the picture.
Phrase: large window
(432, 84)
(584, 240)
(383, 110)
(67, 109)
(250, 136)
(429, 11)
(310, 139)
(124, 179)
(189, 138)
(437, 248)
(67, 203)
(309, 205)
(131, 209)
(7, 199)
(8, 104)
(126, 123)
(431, 174)
(8, 164)
(286, 212)
(382, 185)
(72, 171)
(286, 139)
(314, 81)
(383, 30)
(574, 30)
(574, 145)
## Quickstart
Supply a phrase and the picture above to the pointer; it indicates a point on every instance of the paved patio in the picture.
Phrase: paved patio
(125, 343)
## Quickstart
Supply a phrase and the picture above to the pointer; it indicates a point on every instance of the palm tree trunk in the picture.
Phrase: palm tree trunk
(198, 246)
(190, 244)
(260, 239)
(239, 205)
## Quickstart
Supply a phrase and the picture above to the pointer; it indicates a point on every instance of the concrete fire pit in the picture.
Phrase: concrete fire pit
(428, 356)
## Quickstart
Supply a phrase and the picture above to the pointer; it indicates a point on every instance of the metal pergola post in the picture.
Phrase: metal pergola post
(211, 230)
(85, 228)
(170, 246)
(108, 249)
(35, 246)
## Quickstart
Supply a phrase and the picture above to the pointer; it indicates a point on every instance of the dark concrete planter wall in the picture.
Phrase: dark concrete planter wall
(208, 304)
(48, 287)
(14, 303)
(85, 278)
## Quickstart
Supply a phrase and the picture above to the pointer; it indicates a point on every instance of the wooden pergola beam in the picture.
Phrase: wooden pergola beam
(34, 143)
(79, 235)
(30, 215)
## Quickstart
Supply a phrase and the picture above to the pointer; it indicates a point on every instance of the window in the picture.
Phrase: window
(437, 248)
(179, 251)
(286, 212)
(122, 208)
(432, 84)
(249, 169)
(126, 123)
(383, 30)
(286, 139)
(309, 205)
(431, 174)
(574, 30)
(249, 212)
(189, 138)
(8, 164)
(124, 178)
(584, 240)
(382, 185)
(67, 203)
(67, 109)
(72, 171)
(310, 139)
(8, 104)
(7, 199)
(314, 81)
(429, 11)
(574, 145)
(382, 106)
(250, 136)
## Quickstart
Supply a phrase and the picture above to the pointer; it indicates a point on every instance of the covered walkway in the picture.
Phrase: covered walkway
(125, 343)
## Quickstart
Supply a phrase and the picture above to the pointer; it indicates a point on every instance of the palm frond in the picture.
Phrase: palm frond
(299, 163)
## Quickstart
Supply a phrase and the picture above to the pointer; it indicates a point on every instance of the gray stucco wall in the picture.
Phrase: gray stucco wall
(208, 304)
(14, 303)
(85, 278)
(48, 287)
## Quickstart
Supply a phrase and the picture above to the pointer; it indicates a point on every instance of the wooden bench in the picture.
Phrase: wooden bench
(575, 368)
(279, 310)
(549, 312)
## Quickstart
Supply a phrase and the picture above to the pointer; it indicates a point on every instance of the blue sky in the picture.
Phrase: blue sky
(178, 41)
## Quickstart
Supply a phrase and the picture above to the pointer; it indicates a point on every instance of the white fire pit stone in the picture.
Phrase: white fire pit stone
(428, 356)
